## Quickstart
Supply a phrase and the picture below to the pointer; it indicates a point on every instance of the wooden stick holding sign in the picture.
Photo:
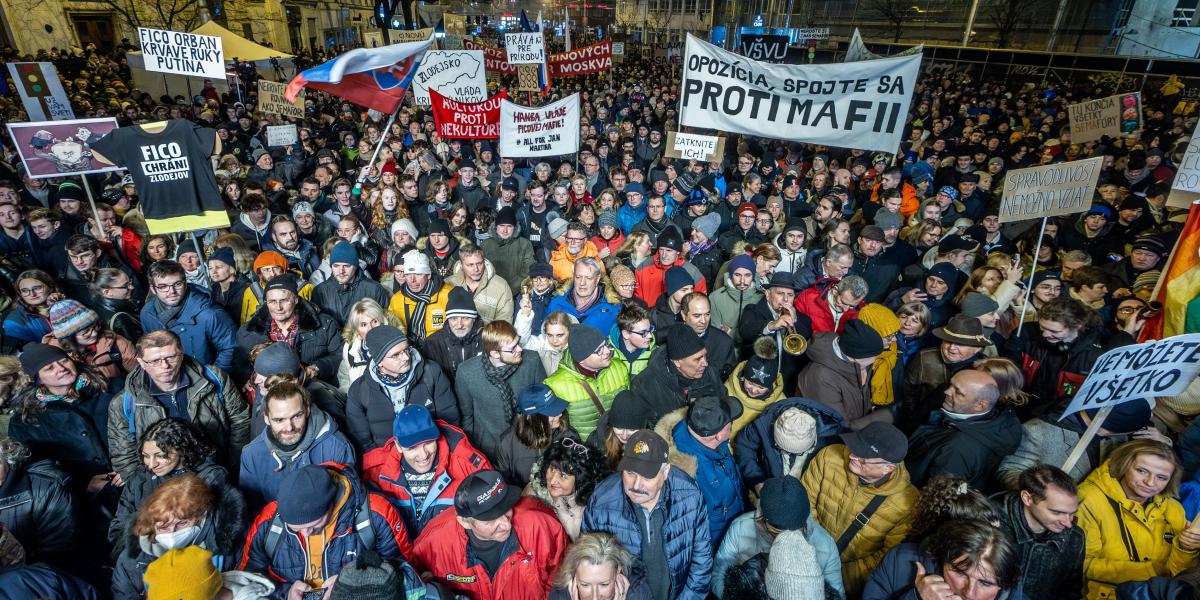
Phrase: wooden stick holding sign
(1032, 271)
(1088, 434)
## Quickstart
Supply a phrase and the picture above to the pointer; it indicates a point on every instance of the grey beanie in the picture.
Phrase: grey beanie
(792, 569)
(277, 359)
(976, 305)
(369, 578)
(708, 225)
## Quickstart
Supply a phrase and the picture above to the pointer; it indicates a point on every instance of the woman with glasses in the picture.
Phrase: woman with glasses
(78, 330)
(115, 303)
(565, 477)
(29, 319)
(541, 420)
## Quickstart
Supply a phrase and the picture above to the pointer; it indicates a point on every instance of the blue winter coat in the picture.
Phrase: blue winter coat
(206, 330)
(628, 216)
(600, 315)
(43, 581)
(686, 539)
(21, 327)
(263, 469)
(718, 479)
(759, 459)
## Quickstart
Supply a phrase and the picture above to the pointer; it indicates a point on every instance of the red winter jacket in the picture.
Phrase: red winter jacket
(525, 574)
(652, 280)
(456, 459)
(814, 303)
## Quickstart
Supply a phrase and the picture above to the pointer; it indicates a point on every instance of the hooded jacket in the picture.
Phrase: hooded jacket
(760, 459)
(450, 351)
(714, 471)
(493, 298)
(600, 314)
(685, 531)
(288, 562)
(837, 383)
(370, 409)
(751, 407)
(1127, 540)
(265, 463)
(510, 258)
(571, 385)
(206, 331)
(970, 448)
(319, 342)
(456, 459)
(629, 216)
(789, 261)
(838, 496)
(1053, 373)
(214, 404)
(726, 305)
(255, 237)
(435, 312)
(484, 414)
(533, 552)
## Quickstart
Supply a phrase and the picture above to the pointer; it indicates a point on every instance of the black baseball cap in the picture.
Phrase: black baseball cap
(877, 440)
(645, 454)
(484, 495)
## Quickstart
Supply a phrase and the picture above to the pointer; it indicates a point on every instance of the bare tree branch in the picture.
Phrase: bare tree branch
(894, 11)
(1009, 16)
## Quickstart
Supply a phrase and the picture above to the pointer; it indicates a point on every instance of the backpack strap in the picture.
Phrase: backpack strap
(362, 525)
(860, 521)
(274, 533)
(215, 379)
(1126, 537)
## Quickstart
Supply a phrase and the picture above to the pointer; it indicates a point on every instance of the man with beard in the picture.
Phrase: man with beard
(459, 339)
(297, 433)
(739, 292)
(420, 302)
(468, 191)
(509, 253)
(336, 295)
(487, 385)
(442, 247)
(300, 253)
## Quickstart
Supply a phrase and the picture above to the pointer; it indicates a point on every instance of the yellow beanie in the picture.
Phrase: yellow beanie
(183, 574)
(880, 318)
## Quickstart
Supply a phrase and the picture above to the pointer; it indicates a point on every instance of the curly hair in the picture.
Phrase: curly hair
(963, 543)
(574, 458)
(179, 437)
(946, 498)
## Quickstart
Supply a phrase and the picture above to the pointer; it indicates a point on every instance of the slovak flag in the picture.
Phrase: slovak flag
(372, 77)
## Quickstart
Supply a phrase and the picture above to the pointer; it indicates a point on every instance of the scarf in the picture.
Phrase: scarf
(416, 321)
(396, 386)
(698, 248)
(498, 376)
(168, 314)
(882, 391)
(44, 396)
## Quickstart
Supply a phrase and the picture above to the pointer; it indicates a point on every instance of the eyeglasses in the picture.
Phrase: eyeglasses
(164, 361)
(649, 330)
(125, 286)
(166, 287)
(574, 446)
(32, 291)
(515, 350)
(576, 239)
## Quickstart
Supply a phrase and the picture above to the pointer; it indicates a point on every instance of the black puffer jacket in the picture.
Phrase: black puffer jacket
(370, 410)
(449, 351)
(968, 448)
(319, 342)
(138, 487)
(661, 388)
(335, 299)
(36, 504)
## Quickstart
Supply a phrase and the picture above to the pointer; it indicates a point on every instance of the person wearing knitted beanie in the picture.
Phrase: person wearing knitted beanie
(369, 578)
(183, 574)
(68, 317)
(792, 569)
(887, 369)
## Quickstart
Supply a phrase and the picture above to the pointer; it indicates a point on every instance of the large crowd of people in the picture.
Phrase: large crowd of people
(797, 372)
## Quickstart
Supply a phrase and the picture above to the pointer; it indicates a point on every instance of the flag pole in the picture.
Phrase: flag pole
(92, 201)
(1032, 270)
(387, 130)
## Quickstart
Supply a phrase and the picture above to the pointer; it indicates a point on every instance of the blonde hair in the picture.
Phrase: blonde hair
(1121, 461)
(592, 549)
(370, 308)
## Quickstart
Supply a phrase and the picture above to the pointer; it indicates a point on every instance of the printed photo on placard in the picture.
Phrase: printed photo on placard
(60, 148)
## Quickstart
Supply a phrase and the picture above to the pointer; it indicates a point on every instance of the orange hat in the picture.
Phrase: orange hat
(269, 258)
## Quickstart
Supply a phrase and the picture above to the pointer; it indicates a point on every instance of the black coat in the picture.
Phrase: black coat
(73, 434)
(319, 342)
(37, 506)
(661, 389)
(449, 351)
(1051, 563)
(369, 409)
(138, 487)
(335, 299)
(709, 263)
(120, 315)
(968, 448)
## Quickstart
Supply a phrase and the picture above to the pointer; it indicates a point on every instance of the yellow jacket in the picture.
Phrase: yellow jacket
(1108, 561)
(837, 497)
(751, 407)
(435, 312)
(251, 300)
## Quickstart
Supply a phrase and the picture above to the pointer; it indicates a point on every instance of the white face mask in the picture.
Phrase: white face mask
(179, 539)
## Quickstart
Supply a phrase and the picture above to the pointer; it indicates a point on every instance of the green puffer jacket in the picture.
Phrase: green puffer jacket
(568, 384)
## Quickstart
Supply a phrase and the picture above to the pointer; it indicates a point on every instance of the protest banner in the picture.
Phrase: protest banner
(693, 146)
(595, 58)
(182, 53)
(1186, 187)
(527, 78)
(771, 48)
(463, 120)
(400, 36)
(459, 75)
(551, 130)
(455, 24)
(1049, 190)
(282, 135)
(59, 148)
(851, 105)
(271, 100)
(525, 48)
(494, 59)
(812, 33)
(1111, 116)
(618, 48)
(1161, 368)
(41, 91)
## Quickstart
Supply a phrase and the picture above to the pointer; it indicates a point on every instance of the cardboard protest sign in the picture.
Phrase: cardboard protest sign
(771, 48)
(618, 48)
(525, 48)
(455, 24)
(851, 105)
(41, 91)
(59, 148)
(182, 53)
(271, 100)
(595, 58)
(459, 75)
(400, 36)
(282, 135)
(1112, 116)
(1159, 368)
(812, 33)
(1046, 191)
(527, 78)
(693, 146)
(551, 130)
(1186, 187)
(463, 120)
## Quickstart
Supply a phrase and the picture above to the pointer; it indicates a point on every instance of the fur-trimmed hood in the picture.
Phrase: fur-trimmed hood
(664, 428)
(308, 315)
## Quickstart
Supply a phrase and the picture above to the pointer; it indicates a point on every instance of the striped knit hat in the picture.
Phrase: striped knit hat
(68, 317)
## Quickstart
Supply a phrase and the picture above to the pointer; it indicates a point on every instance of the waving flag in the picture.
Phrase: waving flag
(525, 26)
(372, 77)
(1178, 288)
(544, 68)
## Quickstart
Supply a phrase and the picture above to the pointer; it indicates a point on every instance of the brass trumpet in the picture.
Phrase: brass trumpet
(794, 343)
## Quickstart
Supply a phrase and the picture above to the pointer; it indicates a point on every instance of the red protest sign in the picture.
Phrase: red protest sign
(466, 120)
(495, 60)
(595, 58)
